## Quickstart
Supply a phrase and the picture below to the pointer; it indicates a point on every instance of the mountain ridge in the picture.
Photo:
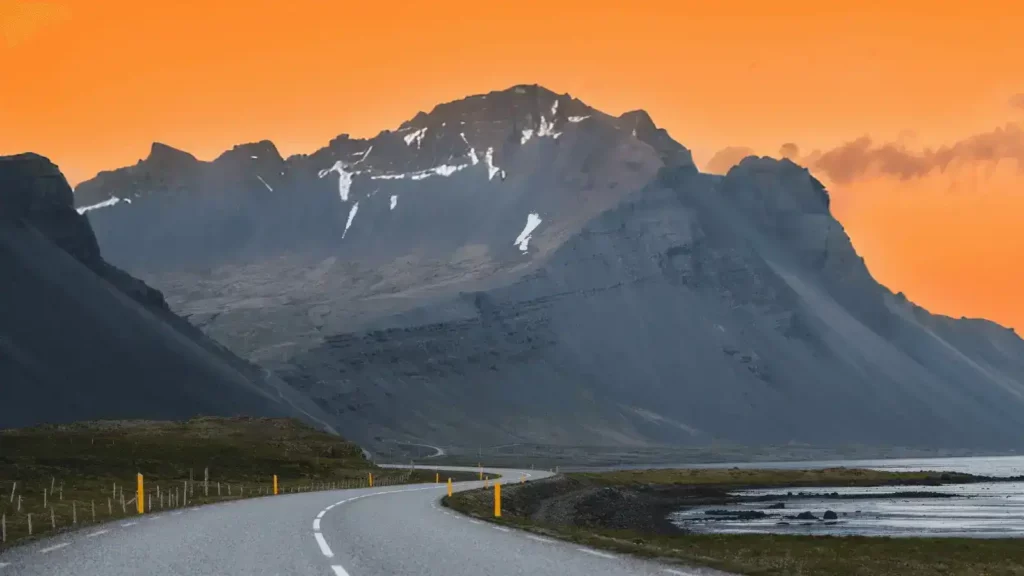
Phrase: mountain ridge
(80, 338)
(516, 266)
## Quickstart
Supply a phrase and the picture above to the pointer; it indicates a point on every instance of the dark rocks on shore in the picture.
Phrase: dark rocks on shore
(777, 506)
(830, 515)
(805, 516)
(737, 514)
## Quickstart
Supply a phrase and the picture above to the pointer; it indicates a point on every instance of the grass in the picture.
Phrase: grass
(768, 555)
(82, 470)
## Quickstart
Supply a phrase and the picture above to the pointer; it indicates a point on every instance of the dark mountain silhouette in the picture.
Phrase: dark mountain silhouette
(518, 266)
(81, 339)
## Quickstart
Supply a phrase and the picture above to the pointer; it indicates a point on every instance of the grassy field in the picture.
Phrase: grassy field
(77, 474)
(771, 555)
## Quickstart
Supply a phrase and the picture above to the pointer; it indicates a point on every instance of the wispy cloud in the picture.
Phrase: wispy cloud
(863, 158)
(726, 158)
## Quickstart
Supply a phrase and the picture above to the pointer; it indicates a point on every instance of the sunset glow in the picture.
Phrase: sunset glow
(91, 83)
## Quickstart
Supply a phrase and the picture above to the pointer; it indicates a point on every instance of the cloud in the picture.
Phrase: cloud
(789, 150)
(21, 20)
(726, 158)
(862, 158)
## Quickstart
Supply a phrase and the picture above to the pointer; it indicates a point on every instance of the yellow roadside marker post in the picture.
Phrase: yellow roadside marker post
(481, 470)
(140, 504)
(275, 484)
(449, 487)
(371, 479)
(437, 477)
(497, 500)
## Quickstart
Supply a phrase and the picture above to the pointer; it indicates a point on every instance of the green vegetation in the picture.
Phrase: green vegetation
(81, 471)
(754, 554)
(767, 478)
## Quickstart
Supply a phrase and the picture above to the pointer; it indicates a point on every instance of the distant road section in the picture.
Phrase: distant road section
(394, 531)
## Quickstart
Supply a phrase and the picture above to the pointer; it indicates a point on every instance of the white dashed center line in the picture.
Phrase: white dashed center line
(52, 548)
(321, 514)
(339, 571)
(596, 553)
(323, 545)
(316, 524)
(97, 533)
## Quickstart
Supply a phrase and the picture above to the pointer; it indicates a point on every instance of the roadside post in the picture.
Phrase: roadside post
(497, 500)
(140, 501)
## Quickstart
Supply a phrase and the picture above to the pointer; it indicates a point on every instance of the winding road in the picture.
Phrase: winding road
(393, 531)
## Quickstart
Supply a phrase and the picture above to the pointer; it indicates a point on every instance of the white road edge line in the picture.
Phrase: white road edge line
(500, 528)
(540, 539)
(54, 547)
(596, 553)
(2, 564)
(316, 524)
(323, 545)
(339, 571)
(321, 514)
(97, 533)
(127, 524)
(678, 573)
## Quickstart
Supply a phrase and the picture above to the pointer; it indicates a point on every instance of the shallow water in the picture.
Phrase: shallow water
(989, 510)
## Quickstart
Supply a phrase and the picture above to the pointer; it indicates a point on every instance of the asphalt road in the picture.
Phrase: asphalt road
(393, 531)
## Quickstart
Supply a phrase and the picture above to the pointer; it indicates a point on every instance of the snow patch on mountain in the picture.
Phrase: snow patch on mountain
(264, 183)
(351, 217)
(492, 170)
(523, 240)
(472, 151)
(547, 129)
(416, 136)
(344, 179)
(554, 109)
(109, 202)
(527, 134)
(365, 154)
(578, 119)
(442, 170)
(394, 201)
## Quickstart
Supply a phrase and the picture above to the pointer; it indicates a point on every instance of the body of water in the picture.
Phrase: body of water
(984, 510)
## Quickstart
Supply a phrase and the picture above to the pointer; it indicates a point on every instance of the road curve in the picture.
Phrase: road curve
(393, 531)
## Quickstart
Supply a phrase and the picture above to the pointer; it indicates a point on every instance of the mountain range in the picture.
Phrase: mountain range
(520, 267)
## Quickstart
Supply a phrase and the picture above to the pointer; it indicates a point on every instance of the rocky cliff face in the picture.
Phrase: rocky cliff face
(81, 339)
(519, 267)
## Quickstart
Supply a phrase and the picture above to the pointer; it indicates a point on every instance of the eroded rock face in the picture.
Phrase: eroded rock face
(519, 267)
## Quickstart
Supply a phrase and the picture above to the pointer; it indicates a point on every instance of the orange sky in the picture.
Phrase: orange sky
(90, 83)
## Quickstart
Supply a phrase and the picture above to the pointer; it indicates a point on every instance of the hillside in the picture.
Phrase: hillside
(81, 339)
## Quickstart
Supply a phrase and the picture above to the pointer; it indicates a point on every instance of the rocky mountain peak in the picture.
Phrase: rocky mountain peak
(167, 156)
(778, 185)
(33, 191)
(263, 151)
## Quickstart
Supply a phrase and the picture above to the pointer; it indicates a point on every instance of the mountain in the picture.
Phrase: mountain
(519, 267)
(81, 339)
